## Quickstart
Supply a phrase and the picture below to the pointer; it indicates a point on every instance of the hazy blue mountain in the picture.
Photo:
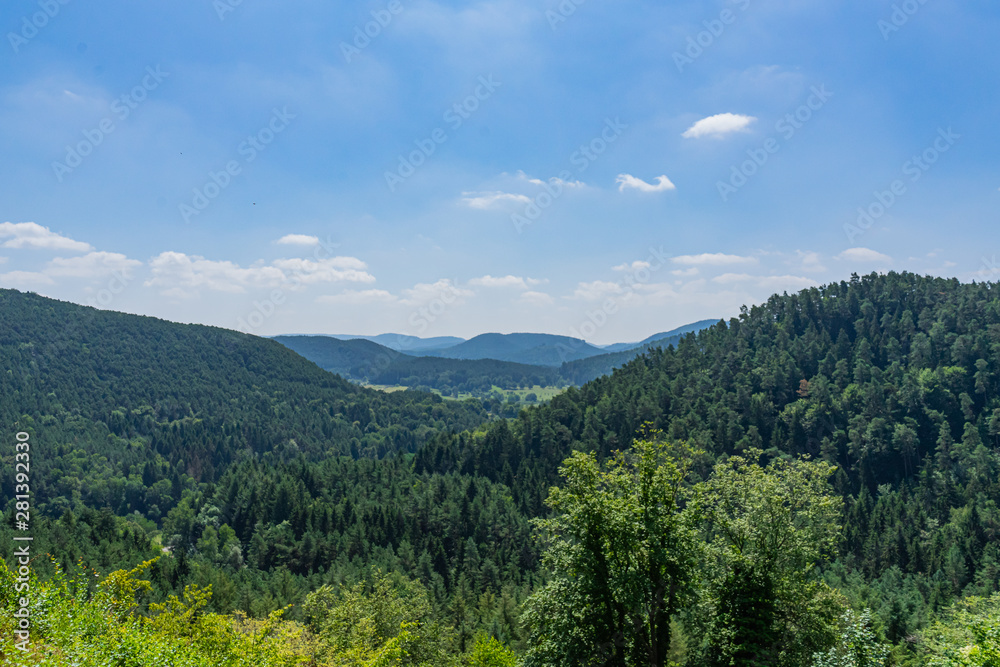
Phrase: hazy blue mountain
(366, 361)
(412, 344)
(355, 359)
(522, 348)
(475, 366)
(393, 341)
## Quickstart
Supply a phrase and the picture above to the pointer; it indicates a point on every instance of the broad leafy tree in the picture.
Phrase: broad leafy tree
(622, 551)
(768, 528)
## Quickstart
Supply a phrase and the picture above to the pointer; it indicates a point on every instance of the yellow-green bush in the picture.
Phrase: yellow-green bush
(969, 635)
(81, 620)
(76, 623)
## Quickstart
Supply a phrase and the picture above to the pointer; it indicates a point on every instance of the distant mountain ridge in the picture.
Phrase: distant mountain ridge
(394, 341)
(522, 348)
(694, 327)
(476, 366)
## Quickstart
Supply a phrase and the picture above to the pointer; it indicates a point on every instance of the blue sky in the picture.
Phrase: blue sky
(607, 170)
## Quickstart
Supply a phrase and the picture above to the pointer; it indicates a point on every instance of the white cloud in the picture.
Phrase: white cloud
(730, 278)
(333, 269)
(505, 281)
(358, 297)
(770, 283)
(712, 259)
(554, 181)
(810, 261)
(92, 265)
(634, 266)
(25, 279)
(627, 181)
(298, 239)
(864, 255)
(685, 273)
(536, 299)
(443, 290)
(33, 235)
(176, 270)
(488, 200)
(596, 290)
(718, 126)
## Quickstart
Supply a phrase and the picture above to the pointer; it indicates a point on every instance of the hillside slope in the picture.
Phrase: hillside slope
(175, 402)
(894, 378)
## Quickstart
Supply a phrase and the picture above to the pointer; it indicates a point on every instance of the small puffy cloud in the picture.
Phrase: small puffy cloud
(443, 290)
(712, 259)
(333, 269)
(810, 261)
(298, 239)
(863, 255)
(718, 126)
(730, 278)
(596, 290)
(633, 267)
(554, 181)
(33, 235)
(629, 182)
(91, 265)
(488, 200)
(769, 283)
(358, 297)
(180, 273)
(685, 273)
(505, 281)
(536, 298)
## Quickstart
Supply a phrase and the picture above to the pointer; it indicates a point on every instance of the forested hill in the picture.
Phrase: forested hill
(214, 444)
(893, 378)
(186, 399)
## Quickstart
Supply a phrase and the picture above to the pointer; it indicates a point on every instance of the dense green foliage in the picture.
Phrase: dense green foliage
(268, 478)
(767, 529)
(622, 552)
(893, 378)
(968, 635)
